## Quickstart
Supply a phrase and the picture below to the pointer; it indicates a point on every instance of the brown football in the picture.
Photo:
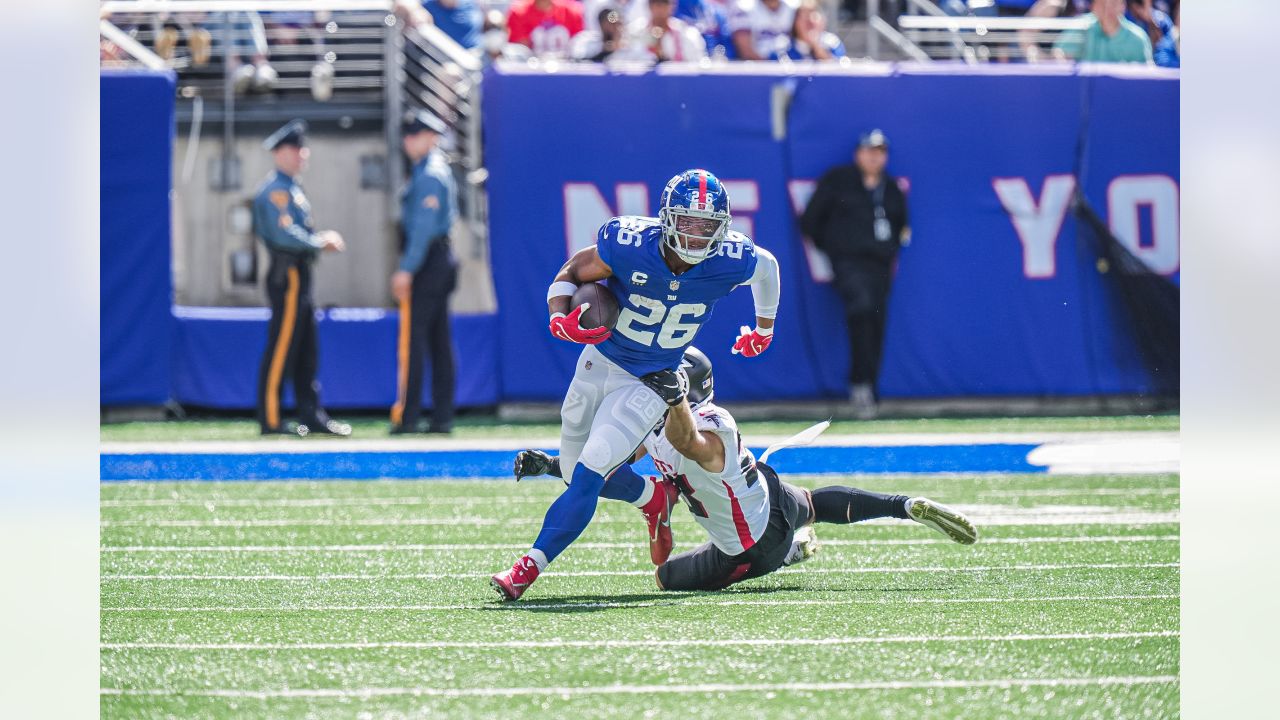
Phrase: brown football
(604, 306)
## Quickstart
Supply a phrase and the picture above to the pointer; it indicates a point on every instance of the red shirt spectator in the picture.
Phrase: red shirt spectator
(545, 26)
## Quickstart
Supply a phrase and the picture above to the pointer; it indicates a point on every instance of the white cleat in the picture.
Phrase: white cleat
(943, 519)
(804, 545)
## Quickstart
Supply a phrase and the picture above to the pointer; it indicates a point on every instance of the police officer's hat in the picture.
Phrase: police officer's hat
(293, 133)
(416, 121)
(873, 139)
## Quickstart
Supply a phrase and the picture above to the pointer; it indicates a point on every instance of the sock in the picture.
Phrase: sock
(570, 514)
(627, 485)
(539, 558)
(843, 505)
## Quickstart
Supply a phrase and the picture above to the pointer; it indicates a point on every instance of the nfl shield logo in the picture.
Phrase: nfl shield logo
(588, 365)
(675, 285)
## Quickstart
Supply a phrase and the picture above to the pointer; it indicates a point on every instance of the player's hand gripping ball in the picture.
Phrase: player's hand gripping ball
(751, 343)
(594, 311)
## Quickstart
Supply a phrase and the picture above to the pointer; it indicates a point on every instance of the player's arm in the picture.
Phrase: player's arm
(766, 290)
(703, 447)
(585, 266)
(531, 463)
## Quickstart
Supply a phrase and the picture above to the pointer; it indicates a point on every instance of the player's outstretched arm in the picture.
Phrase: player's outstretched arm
(766, 290)
(585, 266)
(532, 463)
(703, 447)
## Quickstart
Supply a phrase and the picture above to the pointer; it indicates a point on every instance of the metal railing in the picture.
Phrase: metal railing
(986, 39)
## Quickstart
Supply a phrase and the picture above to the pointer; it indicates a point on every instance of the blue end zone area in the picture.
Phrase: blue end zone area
(989, 458)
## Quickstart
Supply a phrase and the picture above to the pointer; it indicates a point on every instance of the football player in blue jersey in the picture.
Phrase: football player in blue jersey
(667, 274)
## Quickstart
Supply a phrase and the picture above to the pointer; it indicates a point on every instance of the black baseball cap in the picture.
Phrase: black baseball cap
(415, 121)
(873, 139)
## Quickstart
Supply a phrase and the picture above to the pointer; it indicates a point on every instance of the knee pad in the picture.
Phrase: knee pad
(597, 454)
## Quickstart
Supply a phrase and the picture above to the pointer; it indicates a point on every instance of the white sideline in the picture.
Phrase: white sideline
(622, 573)
(317, 445)
(744, 642)
(539, 500)
(445, 547)
(650, 689)
(1008, 519)
(682, 602)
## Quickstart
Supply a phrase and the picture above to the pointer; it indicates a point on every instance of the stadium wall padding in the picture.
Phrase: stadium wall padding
(137, 290)
(970, 315)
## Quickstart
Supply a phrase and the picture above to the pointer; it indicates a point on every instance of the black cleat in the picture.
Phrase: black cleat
(331, 427)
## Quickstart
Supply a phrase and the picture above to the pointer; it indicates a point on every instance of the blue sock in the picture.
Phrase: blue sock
(570, 514)
(625, 484)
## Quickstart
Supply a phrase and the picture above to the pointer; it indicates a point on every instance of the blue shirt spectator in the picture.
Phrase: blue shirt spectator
(459, 19)
(709, 18)
(1160, 30)
(809, 37)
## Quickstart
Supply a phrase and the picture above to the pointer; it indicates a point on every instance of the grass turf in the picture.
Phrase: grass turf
(376, 605)
(482, 427)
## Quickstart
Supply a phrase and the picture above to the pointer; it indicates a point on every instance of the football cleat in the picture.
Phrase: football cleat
(657, 513)
(804, 545)
(512, 583)
(943, 519)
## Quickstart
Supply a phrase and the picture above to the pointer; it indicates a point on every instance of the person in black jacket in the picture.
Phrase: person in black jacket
(858, 218)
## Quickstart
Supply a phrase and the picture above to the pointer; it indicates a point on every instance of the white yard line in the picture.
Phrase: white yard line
(1011, 517)
(624, 573)
(744, 642)
(540, 500)
(446, 547)
(365, 693)
(513, 444)
(681, 601)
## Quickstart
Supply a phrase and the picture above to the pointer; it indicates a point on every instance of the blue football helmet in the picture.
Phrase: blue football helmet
(694, 212)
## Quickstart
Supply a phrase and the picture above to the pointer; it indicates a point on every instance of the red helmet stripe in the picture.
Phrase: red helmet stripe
(702, 188)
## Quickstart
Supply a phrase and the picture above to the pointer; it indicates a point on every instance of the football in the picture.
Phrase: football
(603, 310)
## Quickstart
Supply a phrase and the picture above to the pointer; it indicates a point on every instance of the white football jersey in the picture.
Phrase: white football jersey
(732, 506)
(770, 29)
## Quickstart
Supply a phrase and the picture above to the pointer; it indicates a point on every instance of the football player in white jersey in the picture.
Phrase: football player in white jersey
(756, 523)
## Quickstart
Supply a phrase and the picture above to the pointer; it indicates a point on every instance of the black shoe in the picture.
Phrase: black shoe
(412, 429)
(440, 430)
(290, 428)
(330, 427)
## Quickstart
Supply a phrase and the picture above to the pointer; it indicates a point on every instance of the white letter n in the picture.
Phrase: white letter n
(1037, 223)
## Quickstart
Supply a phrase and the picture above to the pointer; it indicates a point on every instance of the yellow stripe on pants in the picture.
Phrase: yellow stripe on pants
(402, 360)
(283, 339)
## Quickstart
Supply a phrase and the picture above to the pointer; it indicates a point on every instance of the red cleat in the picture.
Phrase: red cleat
(657, 512)
(512, 583)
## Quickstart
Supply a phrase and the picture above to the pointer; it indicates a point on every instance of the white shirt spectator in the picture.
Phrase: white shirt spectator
(630, 11)
(680, 43)
(770, 28)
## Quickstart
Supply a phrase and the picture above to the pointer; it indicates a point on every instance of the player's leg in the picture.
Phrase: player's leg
(843, 505)
(703, 568)
(581, 402)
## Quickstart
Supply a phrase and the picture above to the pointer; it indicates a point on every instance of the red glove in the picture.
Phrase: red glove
(566, 327)
(751, 343)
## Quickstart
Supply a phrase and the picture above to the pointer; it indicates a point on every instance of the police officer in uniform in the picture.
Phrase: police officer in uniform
(282, 220)
(426, 274)
(858, 217)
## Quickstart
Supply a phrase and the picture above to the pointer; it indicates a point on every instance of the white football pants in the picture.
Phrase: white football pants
(606, 414)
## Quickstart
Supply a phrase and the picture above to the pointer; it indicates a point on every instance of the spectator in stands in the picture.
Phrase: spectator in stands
(663, 37)
(1160, 30)
(709, 18)
(544, 26)
(495, 45)
(858, 218)
(1109, 38)
(629, 12)
(459, 19)
(809, 37)
(602, 44)
(1013, 8)
(424, 279)
(761, 29)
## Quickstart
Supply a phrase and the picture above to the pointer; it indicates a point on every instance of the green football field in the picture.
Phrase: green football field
(371, 600)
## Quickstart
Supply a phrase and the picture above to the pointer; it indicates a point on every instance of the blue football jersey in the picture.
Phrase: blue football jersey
(661, 311)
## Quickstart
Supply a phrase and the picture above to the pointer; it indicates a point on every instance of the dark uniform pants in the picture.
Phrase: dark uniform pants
(863, 285)
(291, 342)
(424, 330)
(709, 568)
